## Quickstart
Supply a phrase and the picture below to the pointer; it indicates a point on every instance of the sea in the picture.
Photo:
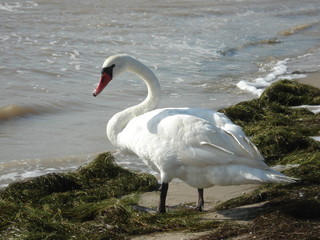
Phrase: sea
(206, 53)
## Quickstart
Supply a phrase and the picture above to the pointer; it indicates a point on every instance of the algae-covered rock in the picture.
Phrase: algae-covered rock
(282, 134)
(38, 187)
(291, 93)
(102, 174)
(276, 141)
(49, 206)
(101, 170)
(276, 128)
(245, 112)
(98, 201)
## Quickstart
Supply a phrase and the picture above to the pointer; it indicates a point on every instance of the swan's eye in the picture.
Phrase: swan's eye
(108, 70)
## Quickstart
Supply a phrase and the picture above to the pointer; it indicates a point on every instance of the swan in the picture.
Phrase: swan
(201, 147)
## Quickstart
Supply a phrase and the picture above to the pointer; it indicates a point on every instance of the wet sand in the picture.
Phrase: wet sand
(180, 193)
(312, 79)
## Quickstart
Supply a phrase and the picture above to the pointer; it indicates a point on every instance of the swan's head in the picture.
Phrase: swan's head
(111, 67)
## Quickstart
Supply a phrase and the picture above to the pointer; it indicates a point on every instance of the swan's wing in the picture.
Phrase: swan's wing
(222, 121)
(199, 142)
(180, 135)
(243, 141)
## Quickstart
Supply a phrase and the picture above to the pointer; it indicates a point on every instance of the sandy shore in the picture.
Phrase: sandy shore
(312, 79)
(180, 193)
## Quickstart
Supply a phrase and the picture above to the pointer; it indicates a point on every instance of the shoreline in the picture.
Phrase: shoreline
(312, 78)
(125, 201)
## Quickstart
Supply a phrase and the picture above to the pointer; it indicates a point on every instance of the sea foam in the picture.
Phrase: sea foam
(258, 85)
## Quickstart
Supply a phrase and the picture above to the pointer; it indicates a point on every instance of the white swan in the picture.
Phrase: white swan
(201, 147)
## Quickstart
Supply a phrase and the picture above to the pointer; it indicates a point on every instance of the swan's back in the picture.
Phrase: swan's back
(174, 137)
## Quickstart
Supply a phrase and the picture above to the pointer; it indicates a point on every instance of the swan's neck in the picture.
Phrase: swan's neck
(120, 120)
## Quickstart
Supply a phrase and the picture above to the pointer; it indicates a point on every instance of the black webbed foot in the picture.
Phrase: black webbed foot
(200, 205)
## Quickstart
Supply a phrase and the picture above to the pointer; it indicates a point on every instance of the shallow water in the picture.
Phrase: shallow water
(208, 54)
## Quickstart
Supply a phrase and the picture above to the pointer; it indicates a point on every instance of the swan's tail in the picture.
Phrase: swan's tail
(277, 177)
(240, 174)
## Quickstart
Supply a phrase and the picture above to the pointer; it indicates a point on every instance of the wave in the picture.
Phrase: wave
(295, 29)
(278, 71)
(260, 84)
(298, 28)
(232, 51)
(16, 111)
(17, 6)
(297, 67)
(17, 170)
(10, 7)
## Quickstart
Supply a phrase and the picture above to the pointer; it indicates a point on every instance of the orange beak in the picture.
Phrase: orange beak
(105, 79)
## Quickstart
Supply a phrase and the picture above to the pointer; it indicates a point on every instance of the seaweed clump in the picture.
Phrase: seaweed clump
(282, 134)
(98, 201)
(275, 127)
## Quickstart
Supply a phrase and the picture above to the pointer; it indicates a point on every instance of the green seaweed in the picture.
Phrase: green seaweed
(291, 93)
(275, 127)
(98, 201)
(272, 225)
(282, 134)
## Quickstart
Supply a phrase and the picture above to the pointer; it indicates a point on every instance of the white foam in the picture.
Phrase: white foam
(178, 80)
(317, 138)
(9, 176)
(21, 169)
(283, 69)
(35, 173)
(258, 85)
(292, 76)
(312, 108)
(15, 7)
(249, 87)
(10, 7)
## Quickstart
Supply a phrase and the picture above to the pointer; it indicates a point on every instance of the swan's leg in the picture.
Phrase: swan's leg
(163, 195)
(200, 200)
